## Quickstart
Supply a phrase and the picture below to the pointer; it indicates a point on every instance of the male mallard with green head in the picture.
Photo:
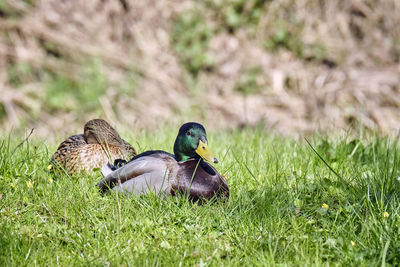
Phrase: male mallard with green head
(85, 152)
(159, 171)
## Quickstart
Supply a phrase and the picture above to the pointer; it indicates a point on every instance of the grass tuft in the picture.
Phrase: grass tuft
(337, 202)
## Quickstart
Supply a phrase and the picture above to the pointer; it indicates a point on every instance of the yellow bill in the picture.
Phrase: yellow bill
(204, 152)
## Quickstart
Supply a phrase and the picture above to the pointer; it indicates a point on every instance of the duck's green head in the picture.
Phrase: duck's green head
(191, 143)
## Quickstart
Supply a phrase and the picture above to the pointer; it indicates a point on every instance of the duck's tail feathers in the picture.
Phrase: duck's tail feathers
(107, 168)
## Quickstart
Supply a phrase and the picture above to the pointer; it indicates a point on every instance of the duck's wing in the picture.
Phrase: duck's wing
(145, 173)
(68, 145)
(72, 142)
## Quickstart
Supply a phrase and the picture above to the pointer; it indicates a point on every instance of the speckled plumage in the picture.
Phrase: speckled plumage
(99, 144)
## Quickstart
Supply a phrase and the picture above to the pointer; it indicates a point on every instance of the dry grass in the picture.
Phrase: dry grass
(338, 67)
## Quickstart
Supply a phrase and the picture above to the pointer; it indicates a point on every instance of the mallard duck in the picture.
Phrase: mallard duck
(99, 143)
(184, 172)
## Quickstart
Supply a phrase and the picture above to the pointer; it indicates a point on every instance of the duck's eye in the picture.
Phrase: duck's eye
(188, 133)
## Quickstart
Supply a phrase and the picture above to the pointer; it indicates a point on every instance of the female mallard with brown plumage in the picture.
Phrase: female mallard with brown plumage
(159, 171)
(99, 143)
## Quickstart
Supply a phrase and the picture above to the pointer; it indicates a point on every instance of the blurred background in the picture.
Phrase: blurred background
(292, 66)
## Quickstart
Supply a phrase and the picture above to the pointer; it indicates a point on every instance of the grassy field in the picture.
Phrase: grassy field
(286, 207)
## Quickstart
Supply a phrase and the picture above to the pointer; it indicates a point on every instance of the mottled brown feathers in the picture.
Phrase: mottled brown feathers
(99, 144)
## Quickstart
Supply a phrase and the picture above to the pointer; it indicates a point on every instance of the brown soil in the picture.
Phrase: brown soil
(356, 82)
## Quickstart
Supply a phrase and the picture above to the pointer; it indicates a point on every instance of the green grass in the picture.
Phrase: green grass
(274, 215)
